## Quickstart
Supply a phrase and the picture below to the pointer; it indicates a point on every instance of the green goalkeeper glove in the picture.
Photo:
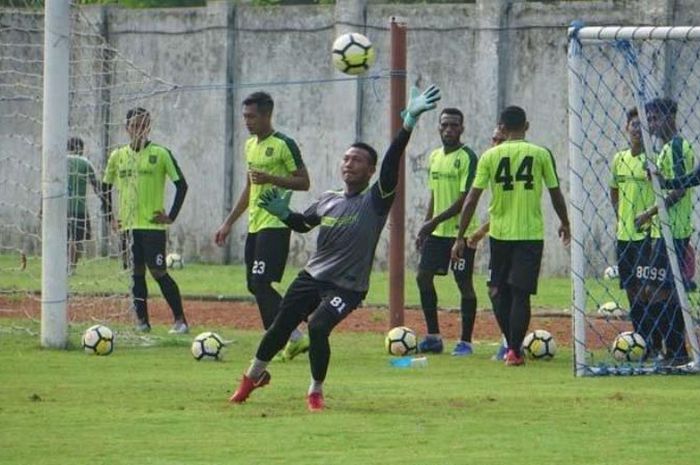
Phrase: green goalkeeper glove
(276, 202)
(419, 103)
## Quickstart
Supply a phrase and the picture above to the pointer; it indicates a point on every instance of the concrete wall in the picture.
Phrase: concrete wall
(192, 68)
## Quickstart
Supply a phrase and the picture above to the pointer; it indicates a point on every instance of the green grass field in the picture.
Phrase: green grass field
(153, 404)
(212, 281)
(156, 405)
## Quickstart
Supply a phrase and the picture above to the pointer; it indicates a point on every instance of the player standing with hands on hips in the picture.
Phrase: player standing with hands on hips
(138, 171)
(515, 172)
(336, 278)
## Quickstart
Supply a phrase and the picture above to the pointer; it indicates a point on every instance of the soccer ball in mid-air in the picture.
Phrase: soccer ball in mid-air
(174, 261)
(98, 340)
(539, 345)
(207, 346)
(612, 310)
(629, 346)
(611, 272)
(353, 53)
(400, 341)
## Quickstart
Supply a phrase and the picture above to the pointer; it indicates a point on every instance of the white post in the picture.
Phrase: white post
(54, 286)
(577, 201)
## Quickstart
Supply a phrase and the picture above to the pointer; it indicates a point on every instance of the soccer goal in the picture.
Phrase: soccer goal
(634, 119)
(64, 91)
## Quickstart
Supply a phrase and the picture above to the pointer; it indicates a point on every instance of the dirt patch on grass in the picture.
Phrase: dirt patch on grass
(244, 315)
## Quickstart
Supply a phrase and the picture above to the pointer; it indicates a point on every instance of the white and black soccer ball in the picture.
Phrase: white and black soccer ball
(401, 341)
(207, 346)
(174, 261)
(353, 53)
(98, 340)
(611, 272)
(612, 310)
(628, 346)
(539, 345)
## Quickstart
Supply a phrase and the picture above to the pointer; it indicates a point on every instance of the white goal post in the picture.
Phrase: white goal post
(613, 69)
(54, 285)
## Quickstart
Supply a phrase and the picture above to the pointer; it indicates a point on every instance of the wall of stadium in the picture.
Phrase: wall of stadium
(483, 55)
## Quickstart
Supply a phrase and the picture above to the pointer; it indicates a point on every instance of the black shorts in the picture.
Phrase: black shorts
(435, 257)
(266, 254)
(148, 248)
(309, 298)
(656, 272)
(516, 263)
(631, 257)
(79, 228)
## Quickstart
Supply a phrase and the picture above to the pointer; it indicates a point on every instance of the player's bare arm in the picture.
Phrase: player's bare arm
(615, 199)
(465, 218)
(559, 205)
(646, 216)
(241, 206)
(298, 181)
(420, 238)
(432, 223)
(473, 240)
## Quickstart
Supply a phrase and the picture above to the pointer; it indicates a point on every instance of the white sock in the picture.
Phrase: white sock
(315, 386)
(256, 369)
(296, 335)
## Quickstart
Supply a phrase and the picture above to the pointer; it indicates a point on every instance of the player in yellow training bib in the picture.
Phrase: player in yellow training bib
(138, 171)
(451, 170)
(274, 161)
(515, 172)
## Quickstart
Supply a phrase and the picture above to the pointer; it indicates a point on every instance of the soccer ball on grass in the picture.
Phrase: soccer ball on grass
(98, 340)
(612, 310)
(400, 341)
(353, 53)
(207, 346)
(174, 261)
(628, 346)
(539, 345)
(611, 272)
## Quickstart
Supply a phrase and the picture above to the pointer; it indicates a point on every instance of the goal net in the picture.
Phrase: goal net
(103, 86)
(634, 123)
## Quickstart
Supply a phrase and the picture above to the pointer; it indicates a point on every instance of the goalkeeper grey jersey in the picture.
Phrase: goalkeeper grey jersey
(349, 231)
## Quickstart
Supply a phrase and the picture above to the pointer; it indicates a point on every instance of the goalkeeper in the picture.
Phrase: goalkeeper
(335, 280)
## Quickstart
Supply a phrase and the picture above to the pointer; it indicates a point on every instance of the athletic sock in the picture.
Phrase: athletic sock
(428, 300)
(171, 293)
(315, 386)
(519, 318)
(467, 310)
(256, 369)
(296, 335)
(139, 293)
(268, 300)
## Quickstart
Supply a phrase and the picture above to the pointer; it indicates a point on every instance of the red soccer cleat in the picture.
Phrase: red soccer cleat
(514, 359)
(315, 402)
(247, 385)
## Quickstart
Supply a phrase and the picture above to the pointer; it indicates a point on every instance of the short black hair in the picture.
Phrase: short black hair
(369, 149)
(513, 118)
(138, 111)
(664, 106)
(453, 111)
(263, 100)
(632, 113)
(75, 145)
